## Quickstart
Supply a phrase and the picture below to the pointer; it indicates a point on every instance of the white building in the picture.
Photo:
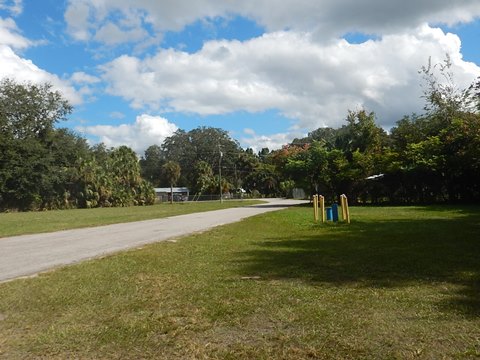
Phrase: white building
(179, 194)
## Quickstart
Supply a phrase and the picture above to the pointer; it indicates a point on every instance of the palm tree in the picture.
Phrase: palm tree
(171, 169)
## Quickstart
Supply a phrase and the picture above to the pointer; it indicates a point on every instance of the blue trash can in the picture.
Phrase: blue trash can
(335, 212)
(329, 213)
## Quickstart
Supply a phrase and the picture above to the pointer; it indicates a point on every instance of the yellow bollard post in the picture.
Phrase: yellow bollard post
(341, 205)
(344, 208)
(347, 210)
(317, 207)
(321, 199)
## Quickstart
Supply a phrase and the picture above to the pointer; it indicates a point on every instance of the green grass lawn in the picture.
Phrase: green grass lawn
(45, 221)
(398, 283)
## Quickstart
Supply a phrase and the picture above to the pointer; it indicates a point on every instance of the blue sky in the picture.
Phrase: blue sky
(267, 71)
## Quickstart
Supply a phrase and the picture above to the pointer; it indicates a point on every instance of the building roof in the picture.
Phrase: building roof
(175, 190)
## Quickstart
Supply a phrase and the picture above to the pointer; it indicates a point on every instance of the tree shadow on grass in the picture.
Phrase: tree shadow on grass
(380, 254)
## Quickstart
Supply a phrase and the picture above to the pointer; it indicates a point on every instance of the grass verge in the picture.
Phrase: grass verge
(45, 221)
(398, 283)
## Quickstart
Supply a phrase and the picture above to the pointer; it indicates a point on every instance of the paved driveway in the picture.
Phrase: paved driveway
(29, 254)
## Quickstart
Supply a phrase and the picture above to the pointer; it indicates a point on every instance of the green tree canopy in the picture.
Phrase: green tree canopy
(172, 171)
(29, 110)
(151, 164)
(202, 144)
(31, 153)
(44, 167)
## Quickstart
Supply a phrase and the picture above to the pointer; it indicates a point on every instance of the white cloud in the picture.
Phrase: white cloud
(307, 72)
(147, 130)
(10, 35)
(325, 19)
(272, 141)
(112, 34)
(15, 7)
(23, 70)
(92, 20)
(329, 18)
(84, 78)
(77, 17)
(314, 83)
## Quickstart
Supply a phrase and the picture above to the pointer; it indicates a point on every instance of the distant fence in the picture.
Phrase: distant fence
(217, 197)
(212, 197)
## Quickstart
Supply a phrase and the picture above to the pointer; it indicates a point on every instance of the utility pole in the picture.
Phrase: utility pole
(236, 178)
(220, 172)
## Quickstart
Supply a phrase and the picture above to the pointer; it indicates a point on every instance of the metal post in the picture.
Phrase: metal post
(220, 173)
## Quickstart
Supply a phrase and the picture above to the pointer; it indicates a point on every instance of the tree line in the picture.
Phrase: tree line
(42, 167)
(432, 157)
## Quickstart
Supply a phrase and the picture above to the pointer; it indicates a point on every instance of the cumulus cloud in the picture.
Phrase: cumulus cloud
(325, 19)
(314, 83)
(301, 66)
(77, 17)
(334, 18)
(145, 131)
(23, 70)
